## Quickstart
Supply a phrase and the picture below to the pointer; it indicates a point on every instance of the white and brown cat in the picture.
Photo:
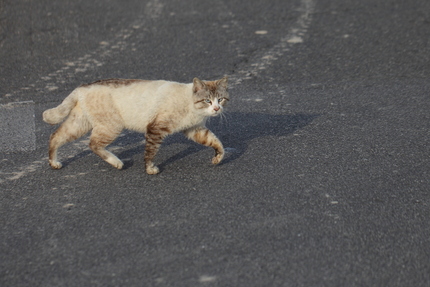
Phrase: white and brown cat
(156, 108)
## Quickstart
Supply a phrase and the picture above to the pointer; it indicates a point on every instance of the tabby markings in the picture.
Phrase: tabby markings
(113, 82)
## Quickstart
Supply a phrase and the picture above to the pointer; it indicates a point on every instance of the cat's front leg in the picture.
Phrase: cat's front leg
(152, 146)
(156, 131)
(204, 136)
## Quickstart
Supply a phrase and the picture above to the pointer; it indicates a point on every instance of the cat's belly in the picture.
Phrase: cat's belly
(137, 124)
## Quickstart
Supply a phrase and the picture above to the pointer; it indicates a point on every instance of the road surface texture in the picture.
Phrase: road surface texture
(326, 180)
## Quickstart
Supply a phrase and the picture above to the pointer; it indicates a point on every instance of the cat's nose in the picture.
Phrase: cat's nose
(216, 108)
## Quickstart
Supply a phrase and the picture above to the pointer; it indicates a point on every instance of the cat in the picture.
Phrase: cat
(156, 108)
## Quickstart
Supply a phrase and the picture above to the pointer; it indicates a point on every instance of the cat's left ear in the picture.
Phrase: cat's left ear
(222, 83)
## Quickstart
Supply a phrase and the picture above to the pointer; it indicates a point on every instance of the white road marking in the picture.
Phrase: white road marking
(22, 171)
(205, 278)
(154, 9)
(293, 36)
(106, 49)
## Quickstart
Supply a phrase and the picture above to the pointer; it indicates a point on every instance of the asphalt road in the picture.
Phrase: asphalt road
(326, 180)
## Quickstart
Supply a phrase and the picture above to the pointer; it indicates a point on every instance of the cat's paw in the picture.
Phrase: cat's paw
(119, 165)
(218, 158)
(55, 164)
(115, 162)
(152, 169)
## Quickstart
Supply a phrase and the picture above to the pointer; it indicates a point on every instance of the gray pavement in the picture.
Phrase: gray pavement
(326, 179)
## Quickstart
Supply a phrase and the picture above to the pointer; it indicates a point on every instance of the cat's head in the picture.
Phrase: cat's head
(210, 96)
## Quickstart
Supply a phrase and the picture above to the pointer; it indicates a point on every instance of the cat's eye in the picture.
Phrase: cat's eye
(208, 101)
(220, 100)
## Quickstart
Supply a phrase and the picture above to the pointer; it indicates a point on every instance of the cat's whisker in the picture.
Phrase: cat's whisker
(223, 118)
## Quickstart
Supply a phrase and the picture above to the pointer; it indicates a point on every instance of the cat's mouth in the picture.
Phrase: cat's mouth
(216, 113)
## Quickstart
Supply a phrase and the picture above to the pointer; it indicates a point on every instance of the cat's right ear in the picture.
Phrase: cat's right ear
(198, 85)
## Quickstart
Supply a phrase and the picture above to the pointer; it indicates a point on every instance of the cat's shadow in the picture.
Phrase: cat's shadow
(235, 130)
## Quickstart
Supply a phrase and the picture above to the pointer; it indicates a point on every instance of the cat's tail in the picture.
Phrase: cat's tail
(56, 115)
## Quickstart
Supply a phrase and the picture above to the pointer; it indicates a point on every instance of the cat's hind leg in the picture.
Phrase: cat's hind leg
(100, 138)
(205, 137)
(75, 126)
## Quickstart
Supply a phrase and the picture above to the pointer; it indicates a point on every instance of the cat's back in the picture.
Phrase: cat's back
(137, 101)
(121, 87)
(134, 88)
(146, 94)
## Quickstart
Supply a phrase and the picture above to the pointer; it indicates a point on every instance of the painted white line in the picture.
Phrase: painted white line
(106, 49)
(294, 36)
(154, 9)
(22, 171)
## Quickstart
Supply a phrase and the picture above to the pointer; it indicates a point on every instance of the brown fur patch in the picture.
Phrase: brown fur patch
(212, 86)
(155, 133)
(158, 128)
(204, 137)
(101, 140)
(114, 82)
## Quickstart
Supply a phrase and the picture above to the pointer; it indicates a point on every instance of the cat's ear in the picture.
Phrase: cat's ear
(223, 82)
(198, 85)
